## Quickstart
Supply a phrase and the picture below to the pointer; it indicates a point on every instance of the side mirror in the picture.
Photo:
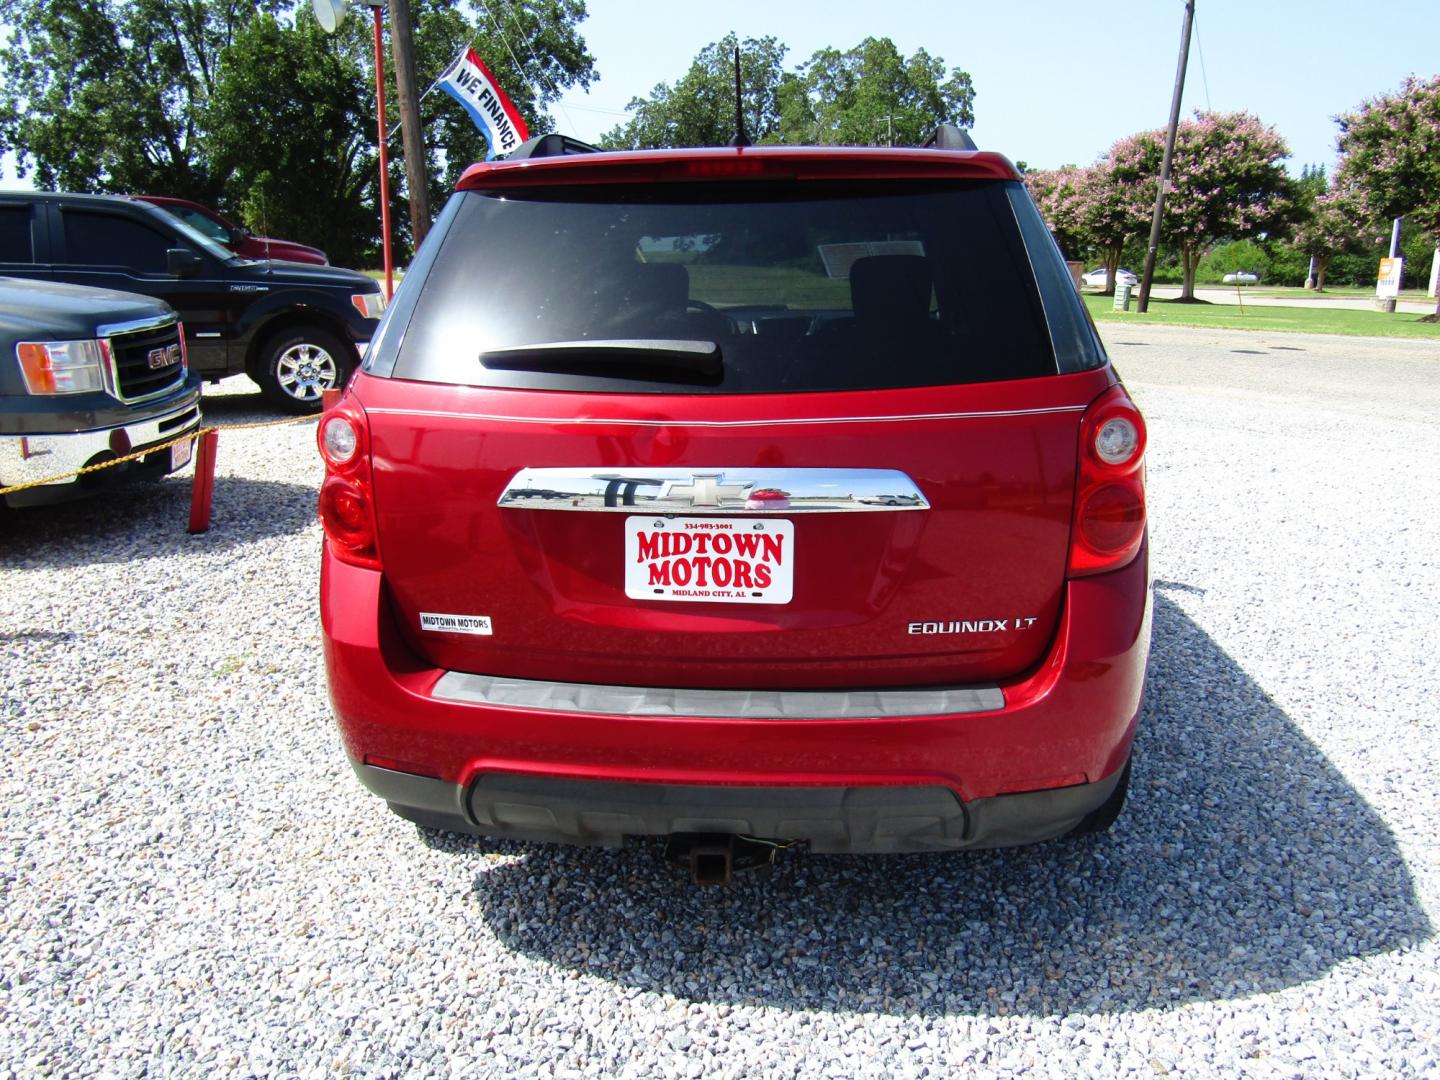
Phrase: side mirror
(182, 262)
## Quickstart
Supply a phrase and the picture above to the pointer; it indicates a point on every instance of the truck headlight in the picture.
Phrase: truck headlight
(61, 367)
(371, 305)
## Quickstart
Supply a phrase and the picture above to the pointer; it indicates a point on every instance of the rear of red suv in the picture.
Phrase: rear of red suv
(775, 492)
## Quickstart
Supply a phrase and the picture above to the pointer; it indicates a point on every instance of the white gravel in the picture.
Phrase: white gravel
(191, 879)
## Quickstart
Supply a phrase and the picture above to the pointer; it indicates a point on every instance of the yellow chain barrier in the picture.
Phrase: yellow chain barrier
(189, 436)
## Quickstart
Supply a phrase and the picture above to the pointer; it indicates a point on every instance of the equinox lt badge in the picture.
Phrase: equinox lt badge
(971, 626)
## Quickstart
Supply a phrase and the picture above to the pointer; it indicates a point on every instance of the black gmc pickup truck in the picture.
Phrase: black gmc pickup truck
(86, 376)
(295, 329)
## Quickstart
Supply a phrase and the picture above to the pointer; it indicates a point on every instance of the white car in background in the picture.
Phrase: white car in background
(1242, 277)
(1096, 278)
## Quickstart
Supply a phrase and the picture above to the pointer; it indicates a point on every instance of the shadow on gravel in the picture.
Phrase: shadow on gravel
(147, 519)
(1244, 863)
(238, 405)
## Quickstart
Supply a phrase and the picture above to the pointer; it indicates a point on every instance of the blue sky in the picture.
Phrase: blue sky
(1055, 83)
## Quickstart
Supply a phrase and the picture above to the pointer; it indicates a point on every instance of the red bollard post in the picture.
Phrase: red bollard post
(202, 492)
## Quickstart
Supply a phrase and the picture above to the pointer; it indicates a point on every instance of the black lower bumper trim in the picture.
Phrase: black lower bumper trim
(831, 819)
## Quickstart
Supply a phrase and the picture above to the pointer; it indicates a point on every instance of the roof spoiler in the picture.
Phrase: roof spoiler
(948, 137)
(551, 145)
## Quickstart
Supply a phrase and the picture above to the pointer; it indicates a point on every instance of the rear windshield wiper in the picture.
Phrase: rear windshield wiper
(610, 356)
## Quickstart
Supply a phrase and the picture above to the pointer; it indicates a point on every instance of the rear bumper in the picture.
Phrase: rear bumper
(1024, 771)
(855, 819)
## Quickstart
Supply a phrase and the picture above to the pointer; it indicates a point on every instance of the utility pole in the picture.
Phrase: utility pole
(402, 46)
(1144, 303)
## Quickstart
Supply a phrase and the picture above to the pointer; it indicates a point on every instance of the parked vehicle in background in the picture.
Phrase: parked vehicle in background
(86, 376)
(295, 330)
(237, 238)
(1096, 278)
(1242, 277)
(776, 492)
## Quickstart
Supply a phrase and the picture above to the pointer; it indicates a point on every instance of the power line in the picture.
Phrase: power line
(543, 80)
(1200, 49)
(597, 109)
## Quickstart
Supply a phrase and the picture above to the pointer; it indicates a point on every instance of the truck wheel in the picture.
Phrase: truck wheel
(298, 365)
(1103, 816)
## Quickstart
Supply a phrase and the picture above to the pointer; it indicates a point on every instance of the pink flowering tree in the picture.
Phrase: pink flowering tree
(1057, 194)
(1226, 183)
(1390, 156)
(1116, 197)
(1332, 227)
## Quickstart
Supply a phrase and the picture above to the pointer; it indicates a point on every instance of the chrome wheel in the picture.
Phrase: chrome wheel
(305, 371)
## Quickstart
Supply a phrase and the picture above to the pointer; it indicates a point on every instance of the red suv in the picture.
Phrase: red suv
(782, 493)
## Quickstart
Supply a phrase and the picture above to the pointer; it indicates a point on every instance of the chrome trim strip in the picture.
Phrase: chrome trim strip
(629, 422)
(494, 692)
(713, 491)
(152, 322)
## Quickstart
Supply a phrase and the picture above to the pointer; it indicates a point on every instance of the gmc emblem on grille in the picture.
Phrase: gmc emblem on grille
(163, 358)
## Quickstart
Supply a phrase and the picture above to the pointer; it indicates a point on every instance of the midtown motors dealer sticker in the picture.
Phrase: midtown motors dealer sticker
(455, 624)
(729, 560)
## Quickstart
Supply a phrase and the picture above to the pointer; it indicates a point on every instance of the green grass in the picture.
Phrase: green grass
(1343, 292)
(1296, 320)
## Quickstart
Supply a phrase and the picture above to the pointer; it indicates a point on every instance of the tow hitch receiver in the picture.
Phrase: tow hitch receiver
(713, 858)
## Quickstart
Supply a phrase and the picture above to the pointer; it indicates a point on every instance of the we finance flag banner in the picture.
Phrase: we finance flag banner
(469, 82)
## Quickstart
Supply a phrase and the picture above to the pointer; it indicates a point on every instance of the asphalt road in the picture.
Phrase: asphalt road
(191, 880)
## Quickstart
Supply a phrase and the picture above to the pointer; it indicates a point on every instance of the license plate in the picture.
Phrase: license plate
(180, 454)
(710, 560)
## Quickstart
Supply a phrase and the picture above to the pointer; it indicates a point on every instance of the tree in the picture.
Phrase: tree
(111, 94)
(868, 96)
(1227, 183)
(1331, 227)
(871, 95)
(1390, 156)
(1057, 194)
(1234, 256)
(699, 110)
(1114, 198)
(246, 106)
(296, 155)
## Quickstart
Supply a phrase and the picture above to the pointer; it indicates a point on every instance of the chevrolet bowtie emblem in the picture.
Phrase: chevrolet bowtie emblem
(706, 489)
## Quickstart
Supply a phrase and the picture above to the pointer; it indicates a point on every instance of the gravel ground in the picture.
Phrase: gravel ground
(190, 878)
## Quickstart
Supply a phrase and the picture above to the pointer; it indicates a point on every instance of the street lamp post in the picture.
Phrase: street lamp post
(376, 6)
(330, 14)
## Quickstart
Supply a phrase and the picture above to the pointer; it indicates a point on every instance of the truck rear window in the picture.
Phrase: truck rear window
(838, 287)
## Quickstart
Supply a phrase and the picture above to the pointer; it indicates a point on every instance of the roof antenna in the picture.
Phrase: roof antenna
(740, 139)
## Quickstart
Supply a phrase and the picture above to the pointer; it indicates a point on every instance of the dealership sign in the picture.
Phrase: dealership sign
(469, 82)
(1387, 284)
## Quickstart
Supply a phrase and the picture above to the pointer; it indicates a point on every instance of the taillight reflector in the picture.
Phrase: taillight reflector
(1109, 523)
(347, 499)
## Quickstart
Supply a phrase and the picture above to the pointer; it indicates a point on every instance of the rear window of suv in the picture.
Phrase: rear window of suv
(834, 287)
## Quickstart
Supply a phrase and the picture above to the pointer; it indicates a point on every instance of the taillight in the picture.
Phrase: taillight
(1109, 520)
(347, 500)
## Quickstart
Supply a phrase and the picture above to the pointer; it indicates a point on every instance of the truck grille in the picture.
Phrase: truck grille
(147, 362)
